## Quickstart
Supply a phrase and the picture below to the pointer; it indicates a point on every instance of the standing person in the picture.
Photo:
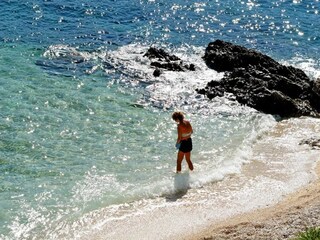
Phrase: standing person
(184, 141)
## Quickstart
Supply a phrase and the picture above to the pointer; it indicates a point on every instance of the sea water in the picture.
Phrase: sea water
(86, 135)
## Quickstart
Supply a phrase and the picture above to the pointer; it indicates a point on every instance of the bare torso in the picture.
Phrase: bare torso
(184, 130)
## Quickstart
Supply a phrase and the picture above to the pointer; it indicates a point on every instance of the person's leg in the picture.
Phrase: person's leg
(188, 159)
(179, 160)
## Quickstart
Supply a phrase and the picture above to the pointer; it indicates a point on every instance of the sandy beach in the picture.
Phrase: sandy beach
(297, 211)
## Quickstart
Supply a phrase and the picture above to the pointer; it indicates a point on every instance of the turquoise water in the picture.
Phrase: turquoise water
(85, 126)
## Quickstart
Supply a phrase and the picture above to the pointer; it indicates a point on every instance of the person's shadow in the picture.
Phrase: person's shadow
(181, 186)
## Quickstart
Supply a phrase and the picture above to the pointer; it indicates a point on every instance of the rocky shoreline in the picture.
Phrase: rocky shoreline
(253, 79)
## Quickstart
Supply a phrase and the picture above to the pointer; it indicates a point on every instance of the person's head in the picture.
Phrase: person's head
(178, 117)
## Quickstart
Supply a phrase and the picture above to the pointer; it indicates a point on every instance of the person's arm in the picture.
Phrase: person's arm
(179, 134)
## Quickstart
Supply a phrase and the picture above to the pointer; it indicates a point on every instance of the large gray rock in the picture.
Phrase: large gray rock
(260, 82)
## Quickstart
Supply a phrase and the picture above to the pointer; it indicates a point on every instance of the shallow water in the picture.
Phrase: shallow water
(86, 129)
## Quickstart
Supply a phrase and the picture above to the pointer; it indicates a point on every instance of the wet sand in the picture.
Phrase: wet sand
(295, 213)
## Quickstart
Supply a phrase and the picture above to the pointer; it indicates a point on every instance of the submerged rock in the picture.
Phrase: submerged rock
(260, 82)
(160, 54)
(163, 60)
(157, 72)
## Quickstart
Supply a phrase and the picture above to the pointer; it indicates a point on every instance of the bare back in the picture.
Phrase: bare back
(184, 130)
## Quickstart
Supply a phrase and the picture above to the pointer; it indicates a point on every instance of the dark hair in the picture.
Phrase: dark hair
(178, 116)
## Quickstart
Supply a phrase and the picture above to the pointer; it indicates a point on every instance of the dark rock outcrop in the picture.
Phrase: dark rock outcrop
(260, 82)
(312, 142)
(163, 60)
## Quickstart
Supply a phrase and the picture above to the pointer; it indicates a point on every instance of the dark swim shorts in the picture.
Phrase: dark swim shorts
(186, 145)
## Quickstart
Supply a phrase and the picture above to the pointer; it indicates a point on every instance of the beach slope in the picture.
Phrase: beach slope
(297, 212)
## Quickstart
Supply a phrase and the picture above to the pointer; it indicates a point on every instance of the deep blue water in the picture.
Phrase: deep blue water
(269, 26)
(84, 125)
